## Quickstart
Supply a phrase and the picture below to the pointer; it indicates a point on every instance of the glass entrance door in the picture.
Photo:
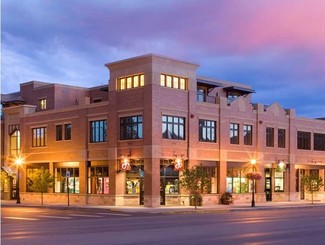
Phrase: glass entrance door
(162, 191)
(268, 184)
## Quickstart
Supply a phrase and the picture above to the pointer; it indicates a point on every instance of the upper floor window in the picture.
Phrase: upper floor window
(234, 133)
(58, 131)
(201, 95)
(173, 127)
(42, 104)
(303, 140)
(98, 131)
(131, 128)
(248, 134)
(270, 137)
(207, 130)
(15, 143)
(133, 81)
(39, 137)
(281, 138)
(319, 142)
(67, 131)
(172, 81)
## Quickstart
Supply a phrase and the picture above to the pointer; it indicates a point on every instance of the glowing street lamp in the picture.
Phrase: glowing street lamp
(18, 164)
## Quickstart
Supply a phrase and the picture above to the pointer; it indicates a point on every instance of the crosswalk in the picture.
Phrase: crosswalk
(67, 217)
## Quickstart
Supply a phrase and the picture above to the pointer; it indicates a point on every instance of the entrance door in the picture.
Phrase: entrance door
(268, 184)
(162, 191)
(141, 191)
(302, 188)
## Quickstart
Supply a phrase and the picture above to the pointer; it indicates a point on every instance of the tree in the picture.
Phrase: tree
(312, 183)
(196, 182)
(40, 180)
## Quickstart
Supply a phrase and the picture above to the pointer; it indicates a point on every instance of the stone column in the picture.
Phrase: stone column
(151, 182)
(291, 175)
(222, 176)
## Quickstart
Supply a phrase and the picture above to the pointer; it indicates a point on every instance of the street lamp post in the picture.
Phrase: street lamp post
(18, 163)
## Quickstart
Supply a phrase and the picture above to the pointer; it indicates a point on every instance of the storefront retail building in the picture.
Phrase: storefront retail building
(126, 143)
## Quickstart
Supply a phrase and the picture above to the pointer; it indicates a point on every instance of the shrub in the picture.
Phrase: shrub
(226, 198)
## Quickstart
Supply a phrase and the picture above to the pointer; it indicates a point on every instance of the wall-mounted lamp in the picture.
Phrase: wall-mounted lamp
(124, 164)
(178, 163)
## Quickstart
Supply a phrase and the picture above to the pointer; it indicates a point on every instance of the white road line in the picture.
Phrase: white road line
(114, 214)
(54, 217)
(85, 215)
(20, 218)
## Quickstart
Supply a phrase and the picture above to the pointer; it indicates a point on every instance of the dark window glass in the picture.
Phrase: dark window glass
(270, 137)
(131, 128)
(173, 127)
(319, 142)
(281, 138)
(207, 131)
(248, 134)
(303, 140)
(98, 131)
(234, 133)
(67, 131)
(58, 132)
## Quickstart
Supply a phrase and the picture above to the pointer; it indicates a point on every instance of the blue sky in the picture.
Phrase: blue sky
(277, 47)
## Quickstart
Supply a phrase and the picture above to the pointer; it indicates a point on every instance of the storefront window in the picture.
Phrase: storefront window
(61, 179)
(98, 180)
(211, 173)
(134, 179)
(279, 181)
(237, 181)
(169, 179)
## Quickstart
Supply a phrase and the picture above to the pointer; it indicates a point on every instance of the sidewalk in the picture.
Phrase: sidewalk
(179, 209)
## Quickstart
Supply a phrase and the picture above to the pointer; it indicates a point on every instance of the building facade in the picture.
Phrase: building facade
(127, 143)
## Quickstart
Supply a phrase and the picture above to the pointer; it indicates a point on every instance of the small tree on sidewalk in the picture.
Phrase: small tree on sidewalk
(40, 180)
(313, 183)
(196, 182)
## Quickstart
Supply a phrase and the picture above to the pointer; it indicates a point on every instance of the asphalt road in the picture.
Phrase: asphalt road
(30, 225)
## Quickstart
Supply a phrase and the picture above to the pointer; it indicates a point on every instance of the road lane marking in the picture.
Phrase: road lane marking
(114, 214)
(20, 218)
(54, 217)
(85, 215)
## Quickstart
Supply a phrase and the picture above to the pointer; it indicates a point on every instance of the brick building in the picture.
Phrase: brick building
(127, 143)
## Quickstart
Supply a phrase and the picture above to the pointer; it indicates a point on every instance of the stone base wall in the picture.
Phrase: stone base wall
(171, 200)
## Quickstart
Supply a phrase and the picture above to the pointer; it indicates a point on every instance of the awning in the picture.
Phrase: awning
(238, 89)
(8, 170)
(208, 84)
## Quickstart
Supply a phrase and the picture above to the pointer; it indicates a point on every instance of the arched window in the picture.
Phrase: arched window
(15, 143)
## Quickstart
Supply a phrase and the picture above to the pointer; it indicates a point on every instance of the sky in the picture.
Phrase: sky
(275, 46)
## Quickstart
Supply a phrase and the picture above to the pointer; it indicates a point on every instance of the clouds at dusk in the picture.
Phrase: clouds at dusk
(277, 47)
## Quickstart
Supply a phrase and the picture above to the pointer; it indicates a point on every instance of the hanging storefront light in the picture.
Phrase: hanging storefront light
(125, 164)
(178, 164)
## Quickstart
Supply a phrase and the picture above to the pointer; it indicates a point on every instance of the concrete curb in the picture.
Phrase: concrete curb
(174, 210)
